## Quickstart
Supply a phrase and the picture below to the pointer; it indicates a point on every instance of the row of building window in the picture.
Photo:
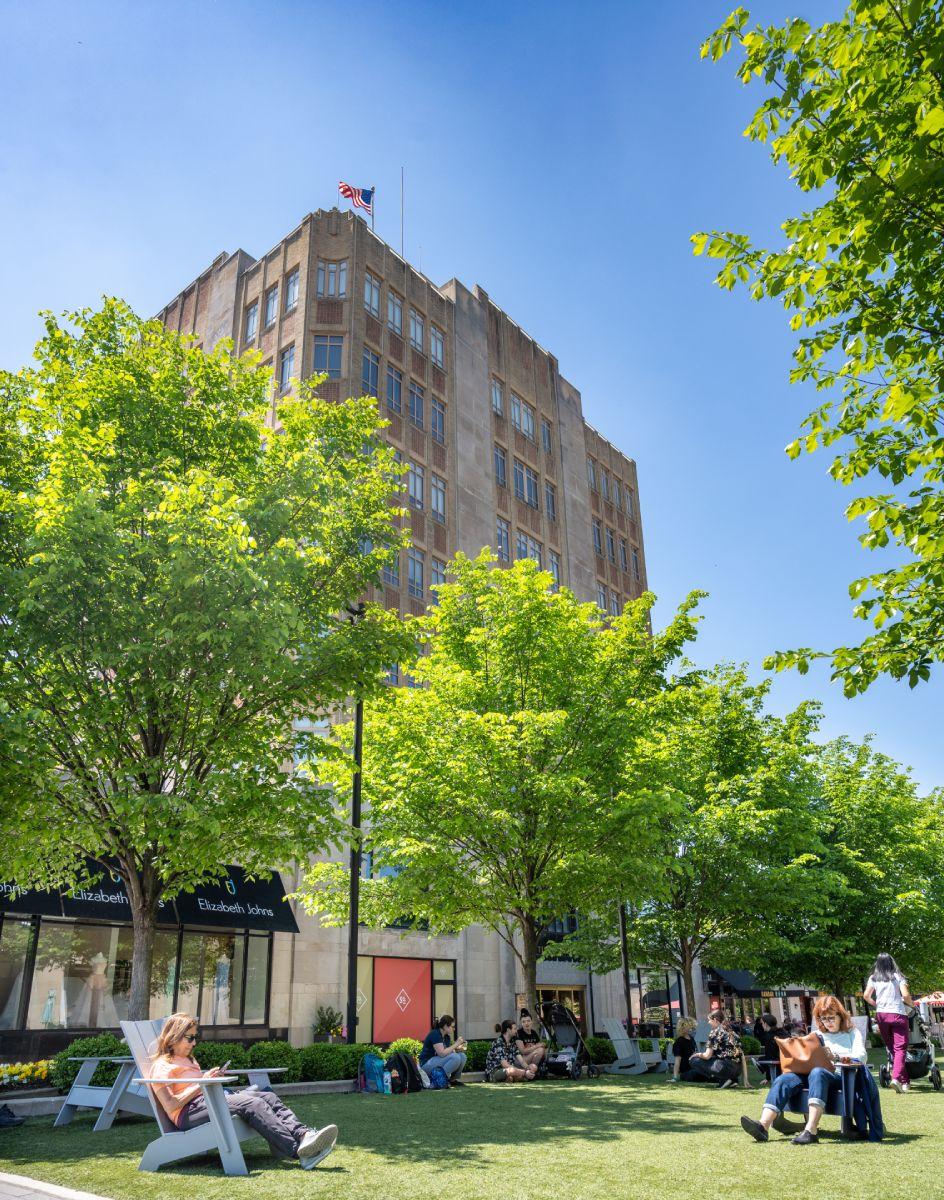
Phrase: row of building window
(416, 492)
(601, 534)
(416, 570)
(525, 547)
(610, 489)
(370, 383)
(372, 303)
(608, 602)
(271, 306)
(526, 484)
(522, 415)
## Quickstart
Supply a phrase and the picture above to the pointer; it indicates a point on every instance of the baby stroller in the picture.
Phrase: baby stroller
(919, 1055)
(567, 1053)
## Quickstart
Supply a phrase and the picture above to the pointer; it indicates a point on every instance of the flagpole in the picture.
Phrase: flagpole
(373, 206)
(401, 212)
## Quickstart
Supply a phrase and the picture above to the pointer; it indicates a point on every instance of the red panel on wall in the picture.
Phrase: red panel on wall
(402, 998)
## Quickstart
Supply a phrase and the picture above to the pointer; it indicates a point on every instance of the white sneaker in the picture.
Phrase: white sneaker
(672, 1079)
(898, 1086)
(316, 1145)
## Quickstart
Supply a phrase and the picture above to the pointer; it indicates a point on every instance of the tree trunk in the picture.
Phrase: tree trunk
(687, 963)
(624, 965)
(143, 892)
(529, 956)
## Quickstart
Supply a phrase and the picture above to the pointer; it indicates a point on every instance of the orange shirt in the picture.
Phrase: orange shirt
(175, 1068)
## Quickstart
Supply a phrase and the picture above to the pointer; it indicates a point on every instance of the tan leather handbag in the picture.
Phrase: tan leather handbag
(802, 1054)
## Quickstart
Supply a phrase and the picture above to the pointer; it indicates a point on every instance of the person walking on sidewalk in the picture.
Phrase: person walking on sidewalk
(888, 990)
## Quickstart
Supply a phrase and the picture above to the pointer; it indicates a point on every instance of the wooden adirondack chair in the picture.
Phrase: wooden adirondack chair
(628, 1059)
(222, 1133)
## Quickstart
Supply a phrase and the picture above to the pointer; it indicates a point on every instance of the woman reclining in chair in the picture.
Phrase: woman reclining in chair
(264, 1111)
(843, 1042)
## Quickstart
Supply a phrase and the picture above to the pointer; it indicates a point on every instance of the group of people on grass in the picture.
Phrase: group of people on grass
(517, 1054)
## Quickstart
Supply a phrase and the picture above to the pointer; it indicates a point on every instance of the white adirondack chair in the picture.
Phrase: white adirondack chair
(651, 1059)
(223, 1132)
(122, 1097)
(628, 1059)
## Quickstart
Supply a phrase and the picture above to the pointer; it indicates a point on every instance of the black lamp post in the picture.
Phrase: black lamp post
(356, 613)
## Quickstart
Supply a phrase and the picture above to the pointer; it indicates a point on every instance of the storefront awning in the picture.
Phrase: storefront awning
(233, 902)
(742, 982)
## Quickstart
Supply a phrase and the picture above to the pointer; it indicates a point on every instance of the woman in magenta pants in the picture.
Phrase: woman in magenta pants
(888, 990)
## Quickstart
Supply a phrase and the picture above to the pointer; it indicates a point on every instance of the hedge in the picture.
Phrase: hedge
(62, 1072)
(215, 1054)
(277, 1054)
(325, 1060)
(407, 1044)
(601, 1050)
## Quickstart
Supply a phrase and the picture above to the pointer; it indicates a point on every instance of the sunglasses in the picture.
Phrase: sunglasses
(189, 1037)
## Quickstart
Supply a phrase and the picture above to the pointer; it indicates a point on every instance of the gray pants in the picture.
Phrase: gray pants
(263, 1111)
(452, 1063)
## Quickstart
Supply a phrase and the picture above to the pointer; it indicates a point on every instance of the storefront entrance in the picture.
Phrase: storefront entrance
(401, 997)
(572, 998)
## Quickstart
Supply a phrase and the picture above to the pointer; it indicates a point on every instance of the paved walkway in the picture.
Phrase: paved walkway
(18, 1187)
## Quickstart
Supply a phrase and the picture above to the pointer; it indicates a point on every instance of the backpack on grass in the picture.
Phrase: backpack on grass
(370, 1074)
(438, 1078)
(405, 1074)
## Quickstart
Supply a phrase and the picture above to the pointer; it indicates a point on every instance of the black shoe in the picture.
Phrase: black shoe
(755, 1129)
(456, 1083)
(8, 1118)
(805, 1138)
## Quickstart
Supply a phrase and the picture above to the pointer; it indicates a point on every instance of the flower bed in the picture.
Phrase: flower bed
(24, 1075)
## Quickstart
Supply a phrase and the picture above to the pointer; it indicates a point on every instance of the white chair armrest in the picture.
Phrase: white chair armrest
(257, 1070)
(101, 1058)
(202, 1082)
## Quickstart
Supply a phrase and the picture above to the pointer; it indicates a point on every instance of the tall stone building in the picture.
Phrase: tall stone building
(499, 454)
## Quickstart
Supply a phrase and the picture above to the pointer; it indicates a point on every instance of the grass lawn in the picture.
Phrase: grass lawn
(606, 1138)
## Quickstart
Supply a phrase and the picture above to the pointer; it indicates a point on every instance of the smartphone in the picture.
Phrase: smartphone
(224, 1066)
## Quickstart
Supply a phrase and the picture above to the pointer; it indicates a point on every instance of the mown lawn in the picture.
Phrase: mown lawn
(606, 1138)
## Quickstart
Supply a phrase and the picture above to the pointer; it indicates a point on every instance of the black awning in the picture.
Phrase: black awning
(236, 900)
(742, 982)
(232, 902)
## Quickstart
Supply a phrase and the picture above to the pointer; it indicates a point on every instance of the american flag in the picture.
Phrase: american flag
(360, 197)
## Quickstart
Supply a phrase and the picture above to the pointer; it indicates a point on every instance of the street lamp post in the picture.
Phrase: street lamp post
(355, 882)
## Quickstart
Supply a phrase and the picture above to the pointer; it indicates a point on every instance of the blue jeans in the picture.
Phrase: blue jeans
(452, 1064)
(822, 1084)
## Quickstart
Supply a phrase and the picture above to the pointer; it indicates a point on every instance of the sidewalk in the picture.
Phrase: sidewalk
(18, 1187)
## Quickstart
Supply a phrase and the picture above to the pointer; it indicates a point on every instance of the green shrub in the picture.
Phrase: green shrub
(324, 1061)
(276, 1054)
(645, 1045)
(62, 1073)
(665, 1045)
(750, 1045)
(875, 1040)
(327, 1020)
(601, 1050)
(215, 1054)
(475, 1055)
(406, 1044)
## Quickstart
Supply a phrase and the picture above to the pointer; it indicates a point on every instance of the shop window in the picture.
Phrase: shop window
(16, 945)
(81, 978)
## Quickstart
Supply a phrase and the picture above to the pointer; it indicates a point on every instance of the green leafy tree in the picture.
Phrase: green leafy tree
(881, 864)
(173, 578)
(739, 841)
(855, 110)
(492, 793)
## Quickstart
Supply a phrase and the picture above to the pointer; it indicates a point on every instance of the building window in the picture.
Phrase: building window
(372, 294)
(370, 373)
(527, 547)
(395, 313)
(618, 495)
(550, 501)
(597, 537)
(592, 474)
(286, 368)
(417, 331)
(271, 305)
(522, 416)
(416, 404)
(601, 596)
(437, 421)
(252, 321)
(332, 279)
(503, 535)
(519, 480)
(555, 565)
(531, 487)
(624, 562)
(328, 356)
(501, 475)
(394, 388)
(393, 674)
(291, 291)
(604, 484)
(630, 506)
(614, 604)
(636, 572)
(546, 435)
(437, 571)
(498, 398)
(415, 573)
(610, 546)
(436, 345)
(437, 498)
(415, 486)
(391, 573)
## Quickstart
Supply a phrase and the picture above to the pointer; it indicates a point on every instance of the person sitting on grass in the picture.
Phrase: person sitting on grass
(720, 1061)
(503, 1063)
(185, 1103)
(843, 1042)
(531, 1049)
(683, 1048)
(439, 1050)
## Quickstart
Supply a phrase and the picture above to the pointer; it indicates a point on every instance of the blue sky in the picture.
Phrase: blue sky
(560, 155)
